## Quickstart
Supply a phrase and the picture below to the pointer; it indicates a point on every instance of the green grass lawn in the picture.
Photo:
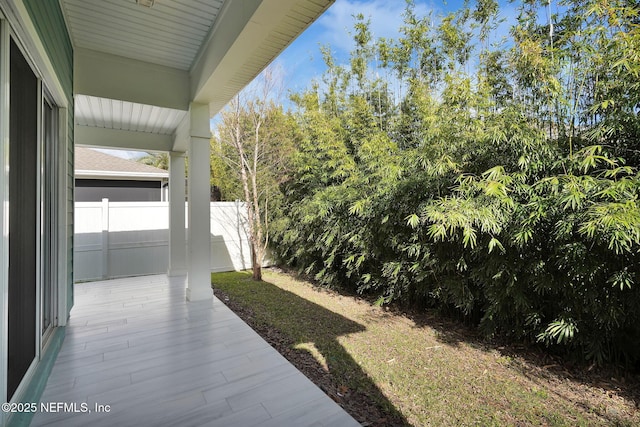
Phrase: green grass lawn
(431, 371)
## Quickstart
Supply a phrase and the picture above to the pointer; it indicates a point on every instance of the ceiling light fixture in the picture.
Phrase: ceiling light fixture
(145, 3)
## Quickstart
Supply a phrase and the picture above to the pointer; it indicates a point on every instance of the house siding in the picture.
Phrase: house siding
(50, 30)
(49, 22)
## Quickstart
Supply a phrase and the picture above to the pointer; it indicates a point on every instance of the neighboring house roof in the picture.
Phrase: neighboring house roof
(91, 163)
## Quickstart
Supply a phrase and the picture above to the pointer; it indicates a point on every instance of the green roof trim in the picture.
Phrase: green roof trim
(49, 22)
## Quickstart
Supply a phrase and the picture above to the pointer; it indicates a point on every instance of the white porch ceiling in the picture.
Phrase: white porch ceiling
(106, 113)
(170, 33)
(138, 69)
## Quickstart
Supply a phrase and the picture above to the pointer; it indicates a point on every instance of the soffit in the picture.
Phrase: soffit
(221, 45)
(170, 33)
(106, 113)
(273, 26)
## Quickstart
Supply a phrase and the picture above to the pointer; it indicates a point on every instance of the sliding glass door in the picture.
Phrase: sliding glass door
(23, 218)
(49, 237)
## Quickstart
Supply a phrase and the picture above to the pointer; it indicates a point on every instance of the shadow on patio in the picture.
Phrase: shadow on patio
(149, 358)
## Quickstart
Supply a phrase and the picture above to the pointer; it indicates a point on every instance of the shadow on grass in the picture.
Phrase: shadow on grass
(534, 362)
(308, 336)
(606, 385)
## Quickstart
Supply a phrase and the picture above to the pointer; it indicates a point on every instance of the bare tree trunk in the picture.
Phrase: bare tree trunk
(245, 133)
(254, 237)
(258, 257)
(254, 243)
(256, 270)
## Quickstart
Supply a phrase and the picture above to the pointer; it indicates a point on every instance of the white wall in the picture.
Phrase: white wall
(132, 238)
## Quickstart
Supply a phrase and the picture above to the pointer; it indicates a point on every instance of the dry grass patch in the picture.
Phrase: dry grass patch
(390, 369)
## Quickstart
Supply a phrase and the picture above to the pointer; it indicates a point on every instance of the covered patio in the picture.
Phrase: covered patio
(146, 357)
(149, 75)
(143, 75)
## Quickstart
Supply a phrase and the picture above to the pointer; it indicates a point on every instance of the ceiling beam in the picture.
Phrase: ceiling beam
(123, 139)
(229, 25)
(110, 76)
(248, 35)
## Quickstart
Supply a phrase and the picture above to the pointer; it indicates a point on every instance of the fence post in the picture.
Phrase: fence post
(105, 238)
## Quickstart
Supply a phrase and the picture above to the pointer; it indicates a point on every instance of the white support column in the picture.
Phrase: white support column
(199, 278)
(177, 230)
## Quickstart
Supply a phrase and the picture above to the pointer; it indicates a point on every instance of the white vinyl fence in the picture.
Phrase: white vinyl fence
(119, 239)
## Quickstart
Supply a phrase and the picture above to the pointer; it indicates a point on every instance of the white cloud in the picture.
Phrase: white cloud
(303, 62)
(386, 19)
(385, 16)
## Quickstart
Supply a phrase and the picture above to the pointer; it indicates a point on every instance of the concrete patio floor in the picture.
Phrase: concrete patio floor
(135, 347)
